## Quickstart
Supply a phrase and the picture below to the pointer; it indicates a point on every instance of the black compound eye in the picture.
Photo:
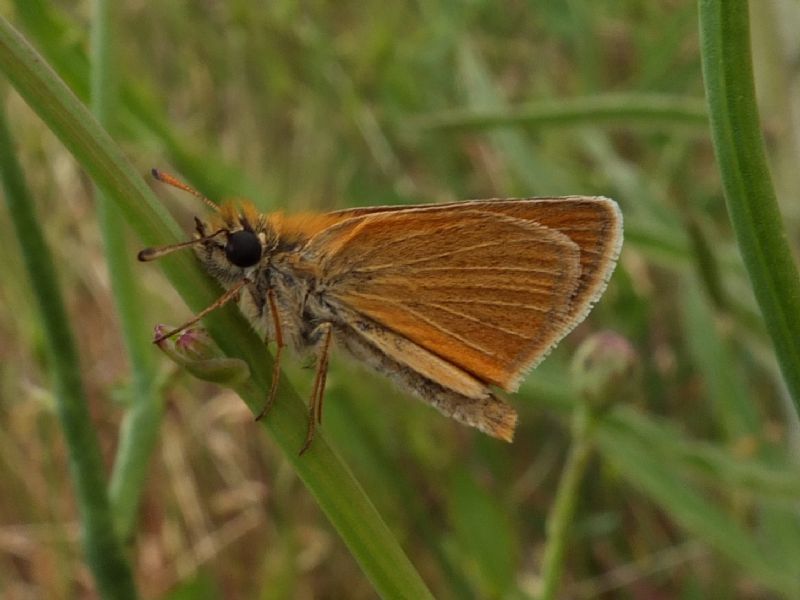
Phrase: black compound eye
(243, 248)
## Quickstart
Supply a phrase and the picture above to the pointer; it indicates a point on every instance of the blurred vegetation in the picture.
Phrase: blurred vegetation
(694, 488)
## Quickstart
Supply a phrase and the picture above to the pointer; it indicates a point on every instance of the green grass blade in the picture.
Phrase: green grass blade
(487, 551)
(139, 431)
(737, 415)
(749, 193)
(329, 480)
(657, 478)
(705, 460)
(646, 109)
(531, 171)
(103, 551)
(54, 35)
(562, 513)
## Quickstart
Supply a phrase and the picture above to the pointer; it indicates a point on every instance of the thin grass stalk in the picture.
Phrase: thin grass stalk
(139, 431)
(645, 109)
(103, 552)
(749, 193)
(562, 513)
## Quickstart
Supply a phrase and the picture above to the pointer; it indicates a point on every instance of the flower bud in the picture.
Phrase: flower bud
(604, 366)
(194, 350)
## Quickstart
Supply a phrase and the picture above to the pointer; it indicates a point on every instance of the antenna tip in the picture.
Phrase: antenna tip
(156, 174)
(146, 255)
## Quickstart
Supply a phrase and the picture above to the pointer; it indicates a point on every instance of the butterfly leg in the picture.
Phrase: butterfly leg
(222, 300)
(276, 365)
(318, 391)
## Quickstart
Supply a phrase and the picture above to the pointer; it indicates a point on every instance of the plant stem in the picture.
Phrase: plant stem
(139, 431)
(103, 551)
(749, 193)
(563, 511)
(647, 109)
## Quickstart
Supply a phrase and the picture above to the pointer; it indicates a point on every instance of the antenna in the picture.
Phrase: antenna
(149, 254)
(177, 183)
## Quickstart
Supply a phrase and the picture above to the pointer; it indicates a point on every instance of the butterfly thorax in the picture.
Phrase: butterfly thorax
(266, 250)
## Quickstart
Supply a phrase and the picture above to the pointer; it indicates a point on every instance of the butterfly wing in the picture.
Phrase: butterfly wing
(485, 285)
(594, 223)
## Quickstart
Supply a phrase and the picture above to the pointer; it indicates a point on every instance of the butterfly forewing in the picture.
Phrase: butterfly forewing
(594, 223)
(487, 292)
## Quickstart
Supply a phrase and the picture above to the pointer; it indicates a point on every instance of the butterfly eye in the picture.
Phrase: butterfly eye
(243, 248)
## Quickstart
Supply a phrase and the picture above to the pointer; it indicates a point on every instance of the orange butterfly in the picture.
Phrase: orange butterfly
(447, 300)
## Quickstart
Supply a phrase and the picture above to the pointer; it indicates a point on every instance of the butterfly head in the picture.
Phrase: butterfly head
(231, 243)
(234, 241)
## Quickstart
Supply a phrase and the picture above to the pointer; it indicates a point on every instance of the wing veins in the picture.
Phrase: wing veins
(427, 258)
(500, 303)
(484, 323)
(479, 268)
(478, 286)
(433, 324)
(449, 268)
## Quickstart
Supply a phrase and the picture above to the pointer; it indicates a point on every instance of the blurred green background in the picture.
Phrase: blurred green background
(694, 489)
